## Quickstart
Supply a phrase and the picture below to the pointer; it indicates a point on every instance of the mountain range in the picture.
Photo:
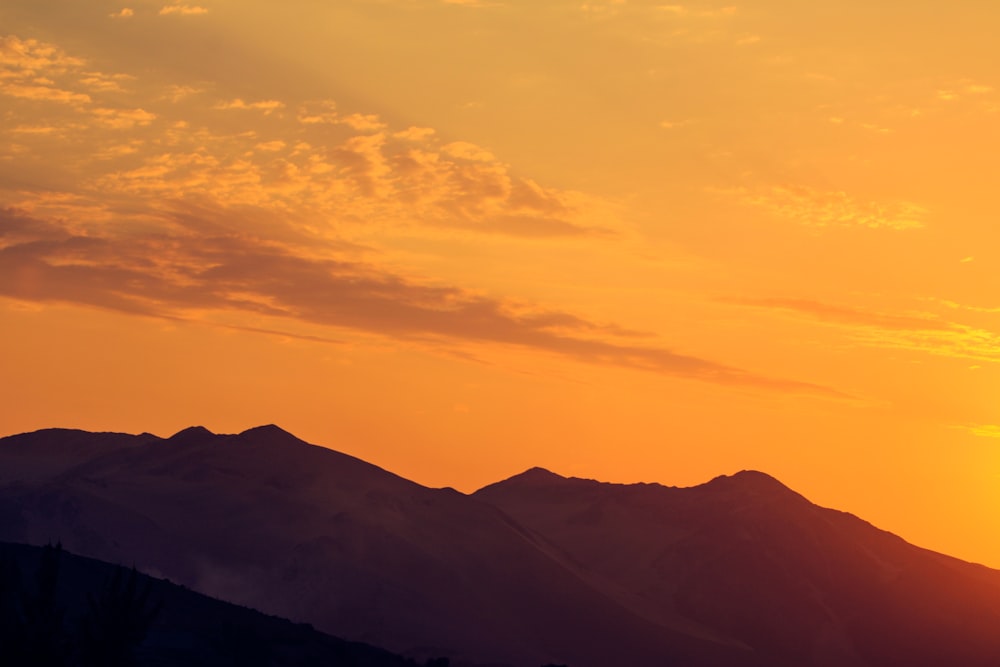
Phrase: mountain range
(536, 569)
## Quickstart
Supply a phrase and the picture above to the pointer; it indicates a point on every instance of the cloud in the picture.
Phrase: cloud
(981, 430)
(41, 72)
(405, 178)
(468, 151)
(325, 113)
(831, 208)
(177, 270)
(363, 122)
(100, 82)
(319, 113)
(362, 159)
(30, 56)
(415, 133)
(963, 88)
(183, 10)
(267, 106)
(847, 315)
(271, 146)
(123, 118)
(176, 93)
(44, 93)
(978, 89)
(37, 129)
(180, 211)
(953, 305)
(348, 167)
(687, 11)
(923, 333)
(123, 13)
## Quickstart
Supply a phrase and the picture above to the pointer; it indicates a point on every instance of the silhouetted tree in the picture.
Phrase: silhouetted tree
(437, 662)
(117, 621)
(42, 639)
(11, 623)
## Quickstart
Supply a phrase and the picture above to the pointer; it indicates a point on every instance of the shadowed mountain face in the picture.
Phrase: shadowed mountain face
(536, 569)
(746, 558)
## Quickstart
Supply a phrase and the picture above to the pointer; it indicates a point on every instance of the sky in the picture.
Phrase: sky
(627, 240)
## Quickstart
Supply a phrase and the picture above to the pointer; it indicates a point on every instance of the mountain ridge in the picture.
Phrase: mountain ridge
(539, 568)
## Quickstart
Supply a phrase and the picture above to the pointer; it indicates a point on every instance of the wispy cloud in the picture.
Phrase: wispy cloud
(176, 212)
(123, 118)
(981, 430)
(961, 89)
(183, 10)
(415, 133)
(267, 106)
(687, 11)
(43, 93)
(404, 178)
(954, 305)
(674, 124)
(169, 274)
(34, 57)
(922, 333)
(848, 315)
(831, 208)
(101, 82)
(345, 166)
(363, 122)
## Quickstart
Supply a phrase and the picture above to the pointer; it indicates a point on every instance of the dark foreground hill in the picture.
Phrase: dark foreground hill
(179, 627)
(534, 570)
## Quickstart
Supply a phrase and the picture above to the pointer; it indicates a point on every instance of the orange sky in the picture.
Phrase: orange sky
(619, 239)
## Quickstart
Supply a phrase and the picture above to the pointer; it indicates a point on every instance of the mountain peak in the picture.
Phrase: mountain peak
(266, 429)
(267, 433)
(751, 481)
(536, 477)
(190, 433)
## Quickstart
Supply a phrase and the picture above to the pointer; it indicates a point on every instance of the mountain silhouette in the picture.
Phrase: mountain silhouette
(268, 521)
(746, 558)
(537, 569)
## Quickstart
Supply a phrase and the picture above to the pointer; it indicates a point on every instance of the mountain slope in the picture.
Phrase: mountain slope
(745, 557)
(266, 520)
(189, 629)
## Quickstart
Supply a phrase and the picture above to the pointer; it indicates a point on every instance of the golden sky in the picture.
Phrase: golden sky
(620, 239)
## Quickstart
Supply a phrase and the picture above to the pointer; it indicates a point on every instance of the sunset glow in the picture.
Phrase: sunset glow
(619, 239)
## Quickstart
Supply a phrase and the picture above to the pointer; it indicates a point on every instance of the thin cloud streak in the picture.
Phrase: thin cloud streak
(811, 207)
(916, 333)
(847, 315)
